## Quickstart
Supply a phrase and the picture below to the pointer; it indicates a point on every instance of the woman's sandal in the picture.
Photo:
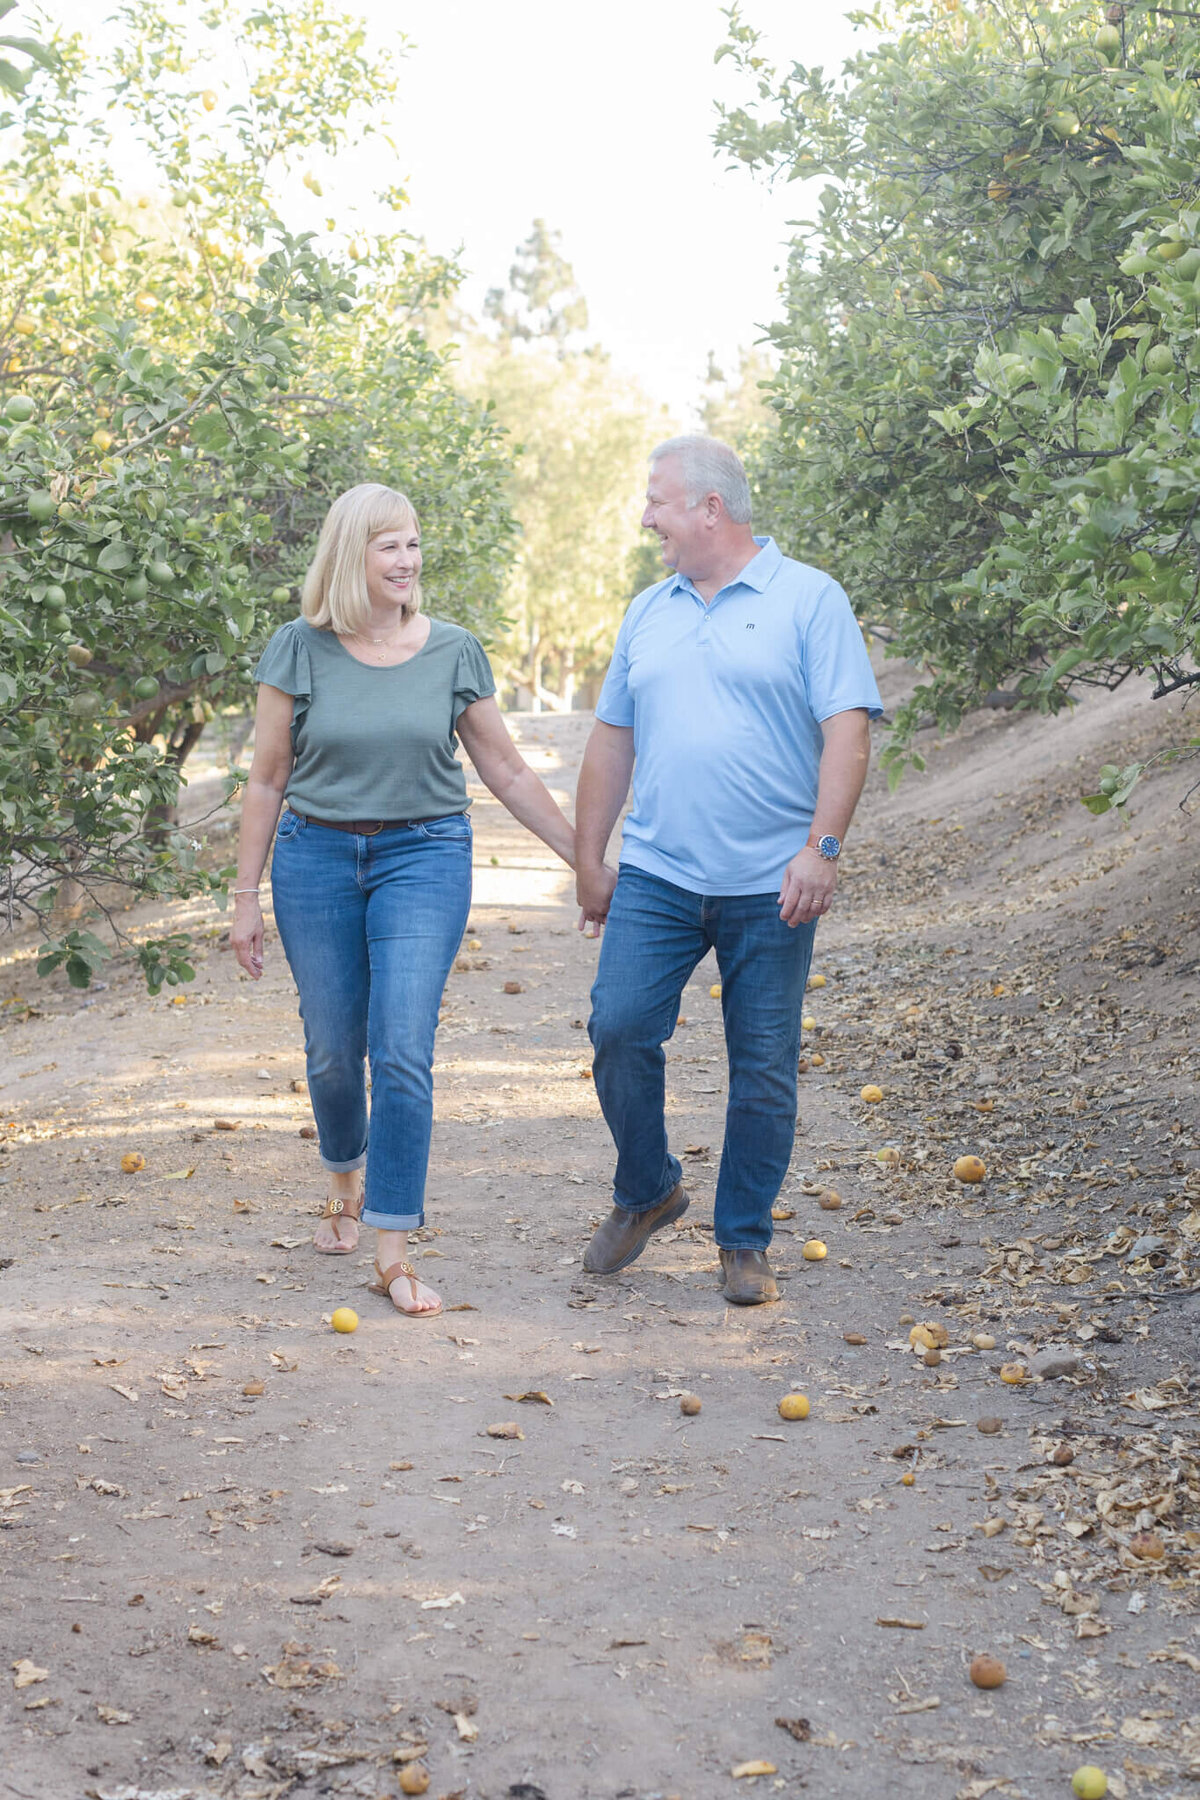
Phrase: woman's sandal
(337, 1209)
(384, 1284)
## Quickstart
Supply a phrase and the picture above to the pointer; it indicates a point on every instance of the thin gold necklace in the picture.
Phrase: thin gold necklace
(365, 639)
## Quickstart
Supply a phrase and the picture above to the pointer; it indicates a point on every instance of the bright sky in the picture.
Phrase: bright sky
(600, 121)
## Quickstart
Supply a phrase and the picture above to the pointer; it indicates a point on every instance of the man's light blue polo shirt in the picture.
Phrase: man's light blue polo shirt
(726, 702)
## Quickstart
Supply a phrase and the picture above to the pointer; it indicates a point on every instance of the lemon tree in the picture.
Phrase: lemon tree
(986, 405)
(185, 381)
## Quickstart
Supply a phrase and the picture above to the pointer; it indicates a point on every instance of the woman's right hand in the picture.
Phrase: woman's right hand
(246, 935)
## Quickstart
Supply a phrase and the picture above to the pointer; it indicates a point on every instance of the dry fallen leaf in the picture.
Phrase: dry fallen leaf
(741, 1770)
(535, 1394)
(112, 1715)
(508, 1429)
(28, 1673)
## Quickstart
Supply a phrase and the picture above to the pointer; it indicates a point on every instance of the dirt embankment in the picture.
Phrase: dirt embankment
(245, 1557)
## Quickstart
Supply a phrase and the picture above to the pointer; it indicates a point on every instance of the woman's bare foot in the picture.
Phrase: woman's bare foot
(407, 1293)
(337, 1233)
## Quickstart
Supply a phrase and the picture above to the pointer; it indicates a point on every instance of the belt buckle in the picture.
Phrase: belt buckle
(375, 829)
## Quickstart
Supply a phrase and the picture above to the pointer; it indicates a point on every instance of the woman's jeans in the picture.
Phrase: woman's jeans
(654, 937)
(370, 926)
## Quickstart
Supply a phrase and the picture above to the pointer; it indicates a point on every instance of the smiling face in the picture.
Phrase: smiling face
(681, 529)
(393, 564)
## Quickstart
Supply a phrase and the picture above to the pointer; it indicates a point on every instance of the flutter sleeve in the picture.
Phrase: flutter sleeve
(473, 678)
(285, 664)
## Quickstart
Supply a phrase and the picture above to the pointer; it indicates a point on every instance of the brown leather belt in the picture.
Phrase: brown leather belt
(367, 827)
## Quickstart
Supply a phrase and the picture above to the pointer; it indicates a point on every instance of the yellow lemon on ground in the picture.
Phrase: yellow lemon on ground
(816, 981)
(889, 1156)
(817, 1060)
(1089, 1782)
(714, 992)
(815, 1250)
(1014, 1374)
(132, 1161)
(794, 1406)
(908, 1480)
(808, 1023)
(969, 1168)
(871, 1094)
(345, 1319)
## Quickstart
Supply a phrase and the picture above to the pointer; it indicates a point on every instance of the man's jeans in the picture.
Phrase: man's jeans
(370, 926)
(655, 935)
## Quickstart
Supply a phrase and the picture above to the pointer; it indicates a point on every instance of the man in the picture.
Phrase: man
(741, 689)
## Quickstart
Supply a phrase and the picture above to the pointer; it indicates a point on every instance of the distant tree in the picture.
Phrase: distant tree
(581, 433)
(541, 303)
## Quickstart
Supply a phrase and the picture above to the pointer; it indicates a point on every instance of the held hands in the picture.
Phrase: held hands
(594, 892)
(246, 934)
(809, 884)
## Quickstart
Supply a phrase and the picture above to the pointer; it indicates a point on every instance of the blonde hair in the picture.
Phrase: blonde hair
(334, 597)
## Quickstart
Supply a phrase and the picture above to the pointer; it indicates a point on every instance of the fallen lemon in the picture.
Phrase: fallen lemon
(871, 1094)
(794, 1406)
(1014, 1374)
(714, 992)
(829, 1200)
(689, 1405)
(929, 1335)
(345, 1319)
(816, 981)
(969, 1169)
(808, 1023)
(983, 1340)
(889, 1156)
(132, 1161)
(815, 1250)
(908, 1480)
(1089, 1782)
(818, 1061)
(414, 1778)
(987, 1672)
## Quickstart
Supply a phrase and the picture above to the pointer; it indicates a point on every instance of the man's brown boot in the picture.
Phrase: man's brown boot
(748, 1277)
(623, 1236)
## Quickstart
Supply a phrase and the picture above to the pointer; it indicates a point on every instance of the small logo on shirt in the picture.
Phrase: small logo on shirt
(749, 628)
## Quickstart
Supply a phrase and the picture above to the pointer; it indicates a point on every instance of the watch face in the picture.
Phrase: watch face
(829, 847)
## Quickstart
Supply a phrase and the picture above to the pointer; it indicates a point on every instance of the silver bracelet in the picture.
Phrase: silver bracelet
(236, 891)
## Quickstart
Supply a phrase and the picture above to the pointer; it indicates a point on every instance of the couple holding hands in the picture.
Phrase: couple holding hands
(737, 701)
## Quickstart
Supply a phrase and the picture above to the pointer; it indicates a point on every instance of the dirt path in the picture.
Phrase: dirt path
(625, 1603)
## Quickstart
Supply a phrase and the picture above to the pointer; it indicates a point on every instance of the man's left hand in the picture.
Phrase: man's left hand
(809, 884)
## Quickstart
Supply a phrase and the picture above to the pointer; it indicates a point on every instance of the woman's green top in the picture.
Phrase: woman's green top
(371, 742)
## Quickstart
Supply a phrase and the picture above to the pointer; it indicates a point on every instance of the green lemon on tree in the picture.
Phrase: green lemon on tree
(78, 655)
(56, 598)
(137, 587)
(1108, 42)
(161, 573)
(19, 408)
(40, 506)
(1170, 250)
(1159, 359)
(281, 595)
(145, 687)
(1064, 124)
(86, 705)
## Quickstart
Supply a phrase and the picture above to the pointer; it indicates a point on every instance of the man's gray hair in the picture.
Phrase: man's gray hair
(709, 467)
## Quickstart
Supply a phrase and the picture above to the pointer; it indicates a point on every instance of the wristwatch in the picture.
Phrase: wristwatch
(829, 847)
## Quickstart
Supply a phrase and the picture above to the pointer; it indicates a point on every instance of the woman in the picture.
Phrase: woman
(359, 704)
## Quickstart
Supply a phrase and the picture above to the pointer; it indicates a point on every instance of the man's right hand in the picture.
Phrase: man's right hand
(594, 892)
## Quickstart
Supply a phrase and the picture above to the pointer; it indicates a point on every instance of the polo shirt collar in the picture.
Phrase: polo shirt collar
(756, 574)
